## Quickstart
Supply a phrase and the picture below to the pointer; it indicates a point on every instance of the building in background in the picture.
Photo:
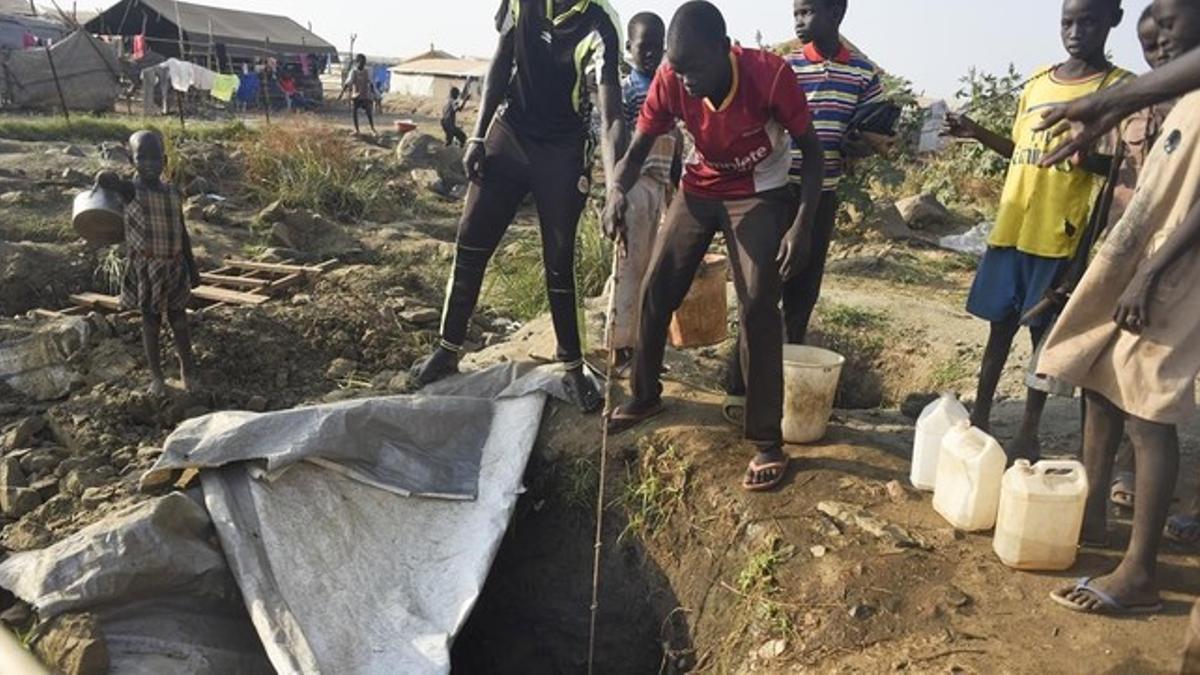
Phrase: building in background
(431, 75)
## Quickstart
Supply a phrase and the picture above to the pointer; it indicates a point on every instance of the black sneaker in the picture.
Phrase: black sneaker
(441, 364)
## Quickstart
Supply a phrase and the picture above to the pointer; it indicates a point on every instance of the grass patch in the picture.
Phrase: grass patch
(110, 269)
(847, 317)
(757, 584)
(951, 372)
(853, 332)
(311, 165)
(83, 129)
(655, 489)
(516, 285)
(577, 482)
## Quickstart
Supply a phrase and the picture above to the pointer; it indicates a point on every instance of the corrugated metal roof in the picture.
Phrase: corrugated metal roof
(444, 67)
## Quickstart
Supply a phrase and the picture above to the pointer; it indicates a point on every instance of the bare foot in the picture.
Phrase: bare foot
(1024, 447)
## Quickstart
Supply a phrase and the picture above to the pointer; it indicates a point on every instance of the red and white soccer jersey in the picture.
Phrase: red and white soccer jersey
(742, 148)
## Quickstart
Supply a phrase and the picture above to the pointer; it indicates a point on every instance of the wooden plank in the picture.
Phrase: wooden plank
(273, 267)
(47, 314)
(289, 280)
(215, 294)
(110, 302)
(237, 282)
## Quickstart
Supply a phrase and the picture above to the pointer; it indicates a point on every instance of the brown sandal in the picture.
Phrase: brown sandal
(780, 468)
(621, 420)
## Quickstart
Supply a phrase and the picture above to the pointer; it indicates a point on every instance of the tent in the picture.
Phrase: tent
(14, 25)
(433, 77)
(87, 69)
(201, 29)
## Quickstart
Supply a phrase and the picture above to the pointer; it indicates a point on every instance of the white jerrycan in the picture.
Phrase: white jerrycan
(967, 490)
(1041, 515)
(937, 418)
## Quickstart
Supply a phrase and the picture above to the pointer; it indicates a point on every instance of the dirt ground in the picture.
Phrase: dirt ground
(698, 576)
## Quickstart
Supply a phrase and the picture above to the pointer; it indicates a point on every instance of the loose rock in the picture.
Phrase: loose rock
(274, 213)
(341, 368)
(74, 645)
(24, 432)
(922, 211)
(11, 475)
(421, 317)
(16, 502)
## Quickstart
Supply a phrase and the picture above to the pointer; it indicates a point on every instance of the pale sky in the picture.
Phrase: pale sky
(931, 42)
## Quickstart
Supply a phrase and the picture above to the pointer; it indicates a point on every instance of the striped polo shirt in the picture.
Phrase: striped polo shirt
(836, 88)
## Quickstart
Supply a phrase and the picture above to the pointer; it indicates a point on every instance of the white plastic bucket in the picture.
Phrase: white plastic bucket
(810, 383)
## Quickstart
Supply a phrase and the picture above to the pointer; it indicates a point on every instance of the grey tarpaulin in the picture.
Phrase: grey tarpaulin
(87, 71)
(424, 446)
(158, 583)
(342, 577)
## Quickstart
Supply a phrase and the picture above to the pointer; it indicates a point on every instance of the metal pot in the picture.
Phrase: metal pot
(99, 216)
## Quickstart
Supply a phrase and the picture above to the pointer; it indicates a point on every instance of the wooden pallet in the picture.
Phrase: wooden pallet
(239, 283)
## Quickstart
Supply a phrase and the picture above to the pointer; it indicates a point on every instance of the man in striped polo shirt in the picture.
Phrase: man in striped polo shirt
(839, 82)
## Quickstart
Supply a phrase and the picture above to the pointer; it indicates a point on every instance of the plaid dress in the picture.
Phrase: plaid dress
(158, 274)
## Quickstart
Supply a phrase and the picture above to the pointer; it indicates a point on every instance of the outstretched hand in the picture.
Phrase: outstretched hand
(1085, 119)
(960, 126)
(615, 209)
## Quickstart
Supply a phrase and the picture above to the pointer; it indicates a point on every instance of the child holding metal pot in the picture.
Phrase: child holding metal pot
(160, 269)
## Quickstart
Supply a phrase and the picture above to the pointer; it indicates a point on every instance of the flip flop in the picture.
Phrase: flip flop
(1109, 606)
(734, 410)
(620, 420)
(1122, 493)
(755, 470)
(1183, 529)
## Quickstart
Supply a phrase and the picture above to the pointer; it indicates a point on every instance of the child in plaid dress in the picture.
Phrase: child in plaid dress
(160, 270)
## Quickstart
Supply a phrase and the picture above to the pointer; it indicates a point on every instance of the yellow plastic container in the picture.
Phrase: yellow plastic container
(1041, 515)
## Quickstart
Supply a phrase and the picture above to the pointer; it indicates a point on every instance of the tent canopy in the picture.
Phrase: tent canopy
(242, 33)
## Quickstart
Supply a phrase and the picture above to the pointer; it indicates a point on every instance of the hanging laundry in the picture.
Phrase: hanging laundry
(225, 87)
(180, 73)
(304, 65)
(248, 88)
(28, 40)
(203, 78)
(139, 47)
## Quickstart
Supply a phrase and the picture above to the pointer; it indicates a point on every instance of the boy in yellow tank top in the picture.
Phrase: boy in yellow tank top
(1043, 212)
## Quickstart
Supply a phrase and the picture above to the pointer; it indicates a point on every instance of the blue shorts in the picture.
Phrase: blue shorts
(1009, 283)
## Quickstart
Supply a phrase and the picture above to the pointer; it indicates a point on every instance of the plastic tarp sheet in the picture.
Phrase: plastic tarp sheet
(159, 585)
(87, 71)
(338, 572)
(341, 576)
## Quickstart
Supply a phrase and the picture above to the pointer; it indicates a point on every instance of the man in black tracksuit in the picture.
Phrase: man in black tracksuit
(537, 144)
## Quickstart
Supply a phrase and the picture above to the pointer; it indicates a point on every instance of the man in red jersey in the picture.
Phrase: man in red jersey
(743, 108)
